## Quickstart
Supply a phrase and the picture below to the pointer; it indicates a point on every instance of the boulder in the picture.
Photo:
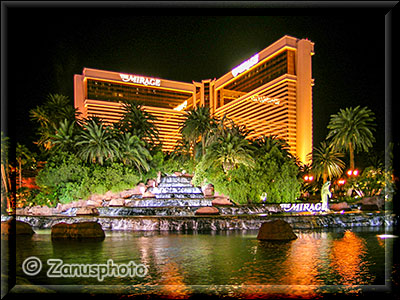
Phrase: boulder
(21, 228)
(148, 194)
(87, 211)
(339, 206)
(110, 195)
(369, 207)
(208, 190)
(217, 194)
(96, 197)
(21, 211)
(40, 211)
(83, 230)
(64, 207)
(116, 202)
(151, 183)
(207, 210)
(379, 201)
(221, 201)
(94, 203)
(136, 191)
(277, 230)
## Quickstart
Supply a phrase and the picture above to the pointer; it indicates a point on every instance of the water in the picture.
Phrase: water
(231, 262)
(179, 187)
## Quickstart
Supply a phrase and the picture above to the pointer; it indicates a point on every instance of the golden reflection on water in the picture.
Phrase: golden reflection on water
(172, 284)
(297, 269)
(302, 262)
(346, 258)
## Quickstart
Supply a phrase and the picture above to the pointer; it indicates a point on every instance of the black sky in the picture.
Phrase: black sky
(44, 47)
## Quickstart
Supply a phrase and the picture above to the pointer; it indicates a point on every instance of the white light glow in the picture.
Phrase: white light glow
(245, 65)
(181, 106)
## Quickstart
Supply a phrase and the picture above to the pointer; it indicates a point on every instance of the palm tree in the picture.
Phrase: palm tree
(197, 124)
(326, 162)
(23, 156)
(138, 122)
(229, 151)
(49, 115)
(65, 136)
(351, 130)
(267, 144)
(182, 151)
(96, 143)
(132, 151)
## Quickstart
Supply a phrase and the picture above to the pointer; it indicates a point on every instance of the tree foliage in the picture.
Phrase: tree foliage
(326, 162)
(351, 129)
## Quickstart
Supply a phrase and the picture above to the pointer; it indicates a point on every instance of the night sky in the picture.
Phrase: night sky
(44, 47)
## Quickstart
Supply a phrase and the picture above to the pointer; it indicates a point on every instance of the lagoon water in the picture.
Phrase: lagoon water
(232, 262)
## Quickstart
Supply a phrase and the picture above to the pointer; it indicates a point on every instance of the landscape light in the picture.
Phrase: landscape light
(308, 178)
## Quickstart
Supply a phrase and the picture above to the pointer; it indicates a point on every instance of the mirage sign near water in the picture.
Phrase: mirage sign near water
(304, 207)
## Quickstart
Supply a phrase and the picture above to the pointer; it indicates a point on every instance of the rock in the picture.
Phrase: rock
(21, 228)
(339, 206)
(96, 197)
(207, 210)
(369, 207)
(64, 207)
(208, 190)
(151, 183)
(22, 211)
(221, 201)
(217, 194)
(379, 201)
(116, 202)
(94, 203)
(276, 230)
(110, 195)
(87, 211)
(128, 193)
(40, 211)
(136, 191)
(83, 230)
(148, 194)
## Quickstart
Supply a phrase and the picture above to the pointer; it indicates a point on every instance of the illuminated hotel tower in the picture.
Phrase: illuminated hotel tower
(270, 93)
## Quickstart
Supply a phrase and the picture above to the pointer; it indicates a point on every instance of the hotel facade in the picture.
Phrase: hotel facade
(270, 93)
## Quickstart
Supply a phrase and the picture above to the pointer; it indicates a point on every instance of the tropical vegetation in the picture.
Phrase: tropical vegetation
(85, 156)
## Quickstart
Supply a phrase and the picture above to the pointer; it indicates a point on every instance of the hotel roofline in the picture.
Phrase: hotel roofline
(272, 50)
(116, 76)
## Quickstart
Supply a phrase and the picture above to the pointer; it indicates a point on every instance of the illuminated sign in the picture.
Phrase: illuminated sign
(303, 207)
(140, 80)
(245, 65)
(265, 99)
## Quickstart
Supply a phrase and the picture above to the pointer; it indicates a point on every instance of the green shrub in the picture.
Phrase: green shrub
(66, 178)
(274, 175)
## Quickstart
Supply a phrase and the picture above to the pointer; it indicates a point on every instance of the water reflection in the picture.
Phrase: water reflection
(347, 259)
(172, 282)
(250, 268)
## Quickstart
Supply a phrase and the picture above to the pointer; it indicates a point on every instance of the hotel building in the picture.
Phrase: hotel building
(270, 93)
